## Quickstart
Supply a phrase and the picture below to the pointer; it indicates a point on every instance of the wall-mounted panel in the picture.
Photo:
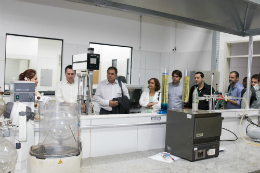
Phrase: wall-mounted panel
(46, 77)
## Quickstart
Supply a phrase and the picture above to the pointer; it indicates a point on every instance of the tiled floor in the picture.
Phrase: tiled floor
(239, 157)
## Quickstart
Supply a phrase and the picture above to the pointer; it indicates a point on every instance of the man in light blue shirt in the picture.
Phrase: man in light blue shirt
(175, 91)
(234, 90)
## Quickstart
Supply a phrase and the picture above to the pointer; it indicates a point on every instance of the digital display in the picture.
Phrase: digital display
(93, 61)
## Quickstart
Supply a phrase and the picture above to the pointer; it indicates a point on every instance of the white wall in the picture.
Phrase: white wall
(79, 24)
(193, 46)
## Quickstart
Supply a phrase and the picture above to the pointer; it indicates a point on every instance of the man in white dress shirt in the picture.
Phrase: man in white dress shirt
(67, 91)
(109, 89)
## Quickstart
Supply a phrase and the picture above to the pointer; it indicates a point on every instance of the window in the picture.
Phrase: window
(116, 56)
(41, 54)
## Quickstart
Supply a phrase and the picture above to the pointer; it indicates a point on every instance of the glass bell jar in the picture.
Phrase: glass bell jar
(8, 155)
(59, 131)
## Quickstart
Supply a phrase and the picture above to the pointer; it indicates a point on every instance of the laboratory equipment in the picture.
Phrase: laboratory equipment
(81, 91)
(2, 103)
(59, 145)
(254, 133)
(219, 103)
(19, 115)
(84, 64)
(211, 93)
(23, 91)
(210, 98)
(164, 92)
(135, 92)
(193, 135)
(8, 155)
(195, 99)
(18, 118)
(185, 89)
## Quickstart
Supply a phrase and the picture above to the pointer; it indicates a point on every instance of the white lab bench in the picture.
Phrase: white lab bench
(125, 133)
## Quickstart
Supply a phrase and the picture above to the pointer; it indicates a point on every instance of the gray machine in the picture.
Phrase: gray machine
(22, 91)
(193, 135)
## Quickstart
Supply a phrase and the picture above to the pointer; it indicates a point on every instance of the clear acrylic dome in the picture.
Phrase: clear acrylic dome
(61, 123)
(59, 134)
(8, 155)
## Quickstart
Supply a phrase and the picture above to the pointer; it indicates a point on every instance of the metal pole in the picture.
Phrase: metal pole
(88, 106)
(81, 90)
(249, 70)
(211, 95)
(140, 44)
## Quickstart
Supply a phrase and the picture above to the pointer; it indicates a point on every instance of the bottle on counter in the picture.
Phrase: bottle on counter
(195, 100)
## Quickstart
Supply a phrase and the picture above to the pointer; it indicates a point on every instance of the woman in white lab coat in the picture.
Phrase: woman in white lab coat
(151, 100)
(30, 75)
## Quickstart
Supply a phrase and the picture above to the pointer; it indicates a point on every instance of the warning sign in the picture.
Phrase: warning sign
(60, 162)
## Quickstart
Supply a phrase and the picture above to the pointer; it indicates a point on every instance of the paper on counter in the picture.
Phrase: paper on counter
(159, 157)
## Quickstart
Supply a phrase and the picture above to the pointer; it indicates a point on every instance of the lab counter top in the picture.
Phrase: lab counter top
(226, 113)
(239, 157)
(112, 116)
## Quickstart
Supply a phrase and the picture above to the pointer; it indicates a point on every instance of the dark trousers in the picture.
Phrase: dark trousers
(103, 111)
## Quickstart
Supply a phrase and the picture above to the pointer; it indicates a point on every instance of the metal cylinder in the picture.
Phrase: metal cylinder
(88, 106)
(91, 50)
(211, 94)
(81, 91)
(249, 70)
(186, 88)
(164, 92)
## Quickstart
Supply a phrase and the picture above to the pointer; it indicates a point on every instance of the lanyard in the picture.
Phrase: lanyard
(231, 91)
(198, 93)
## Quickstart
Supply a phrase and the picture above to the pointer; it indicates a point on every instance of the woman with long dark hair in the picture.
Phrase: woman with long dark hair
(30, 75)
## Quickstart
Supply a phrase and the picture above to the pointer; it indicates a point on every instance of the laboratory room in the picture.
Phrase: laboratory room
(115, 86)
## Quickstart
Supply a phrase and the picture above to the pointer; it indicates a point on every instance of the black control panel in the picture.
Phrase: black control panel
(93, 61)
